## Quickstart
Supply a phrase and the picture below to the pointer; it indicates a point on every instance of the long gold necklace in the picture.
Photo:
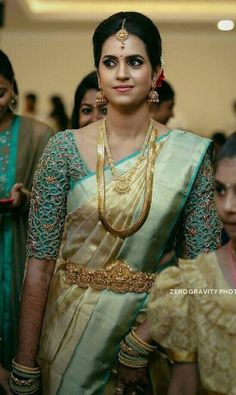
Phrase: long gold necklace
(151, 157)
(123, 182)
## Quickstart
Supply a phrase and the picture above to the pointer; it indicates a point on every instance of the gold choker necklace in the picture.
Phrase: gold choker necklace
(151, 157)
(123, 182)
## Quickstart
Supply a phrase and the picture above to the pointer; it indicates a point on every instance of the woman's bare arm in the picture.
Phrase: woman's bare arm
(33, 302)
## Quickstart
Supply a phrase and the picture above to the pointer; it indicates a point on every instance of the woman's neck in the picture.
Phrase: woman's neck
(128, 125)
(233, 245)
(5, 121)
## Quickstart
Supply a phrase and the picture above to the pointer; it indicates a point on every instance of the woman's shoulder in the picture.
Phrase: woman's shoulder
(62, 144)
(190, 273)
(34, 125)
(189, 137)
(87, 133)
(199, 271)
(64, 136)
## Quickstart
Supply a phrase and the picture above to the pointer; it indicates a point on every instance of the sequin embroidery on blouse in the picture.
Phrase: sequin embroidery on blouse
(200, 224)
(59, 168)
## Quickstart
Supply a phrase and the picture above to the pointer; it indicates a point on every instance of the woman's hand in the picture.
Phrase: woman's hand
(134, 380)
(17, 194)
(4, 375)
(131, 381)
(14, 201)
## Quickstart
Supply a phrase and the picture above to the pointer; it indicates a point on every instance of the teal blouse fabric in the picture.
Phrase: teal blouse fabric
(61, 166)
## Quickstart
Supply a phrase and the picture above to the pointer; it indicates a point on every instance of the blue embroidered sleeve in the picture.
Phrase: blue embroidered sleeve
(59, 167)
(201, 226)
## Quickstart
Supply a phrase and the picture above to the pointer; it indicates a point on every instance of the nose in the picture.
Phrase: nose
(230, 202)
(122, 71)
(96, 115)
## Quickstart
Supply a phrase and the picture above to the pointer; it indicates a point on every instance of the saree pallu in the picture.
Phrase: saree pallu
(83, 326)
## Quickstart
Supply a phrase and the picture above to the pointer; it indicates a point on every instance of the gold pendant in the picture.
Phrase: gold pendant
(122, 185)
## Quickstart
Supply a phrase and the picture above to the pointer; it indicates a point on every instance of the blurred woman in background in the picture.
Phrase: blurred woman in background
(58, 118)
(22, 141)
(86, 110)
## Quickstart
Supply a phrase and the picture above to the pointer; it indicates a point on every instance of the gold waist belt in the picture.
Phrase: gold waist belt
(117, 277)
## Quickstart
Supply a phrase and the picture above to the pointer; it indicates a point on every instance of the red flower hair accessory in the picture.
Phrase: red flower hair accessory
(160, 78)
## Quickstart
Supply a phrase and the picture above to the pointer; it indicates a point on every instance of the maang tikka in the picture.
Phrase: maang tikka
(122, 34)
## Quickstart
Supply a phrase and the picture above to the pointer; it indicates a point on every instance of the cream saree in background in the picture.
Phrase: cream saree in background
(83, 327)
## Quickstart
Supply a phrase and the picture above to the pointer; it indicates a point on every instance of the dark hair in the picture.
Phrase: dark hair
(219, 138)
(135, 23)
(165, 92)
(6, 70)
(58, 112)
(228, 150)
(88, 82)
(31, 96)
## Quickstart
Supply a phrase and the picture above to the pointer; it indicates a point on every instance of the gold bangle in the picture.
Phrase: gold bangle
(140, 342)
(128, 350)
(21, 382)
(142, 363)
(24, 368)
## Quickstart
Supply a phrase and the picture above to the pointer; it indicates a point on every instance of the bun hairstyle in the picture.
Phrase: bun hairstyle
(228, 150)
(136, 24)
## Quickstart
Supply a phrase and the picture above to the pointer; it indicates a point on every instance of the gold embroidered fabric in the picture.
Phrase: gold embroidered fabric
(117, 277)
(193, 309)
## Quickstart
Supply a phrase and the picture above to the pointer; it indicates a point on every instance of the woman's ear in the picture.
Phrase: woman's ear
(156, 71)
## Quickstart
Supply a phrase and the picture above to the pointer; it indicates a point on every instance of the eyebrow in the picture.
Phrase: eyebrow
(127, 56)
(226, 185)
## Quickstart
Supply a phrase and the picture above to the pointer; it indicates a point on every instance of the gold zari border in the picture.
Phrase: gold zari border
(118, 277)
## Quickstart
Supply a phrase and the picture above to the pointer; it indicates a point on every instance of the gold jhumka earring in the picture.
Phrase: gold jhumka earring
(122, 34)
(153, 96)
(100, 97)
(13, 102)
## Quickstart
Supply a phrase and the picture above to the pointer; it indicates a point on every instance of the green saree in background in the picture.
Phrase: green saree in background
(20, 149)
(83, 326)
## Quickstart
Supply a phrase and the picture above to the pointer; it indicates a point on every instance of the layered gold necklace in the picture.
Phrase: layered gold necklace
(123, 182)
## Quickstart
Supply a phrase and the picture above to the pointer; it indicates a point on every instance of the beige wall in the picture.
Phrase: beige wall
(201, 67)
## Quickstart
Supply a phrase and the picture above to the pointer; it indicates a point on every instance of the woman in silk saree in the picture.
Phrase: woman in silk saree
(121, 203)
(192, 307)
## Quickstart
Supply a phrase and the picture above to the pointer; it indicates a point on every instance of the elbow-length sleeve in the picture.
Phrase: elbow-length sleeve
(200, 226)
(48, 204)
(171, 316)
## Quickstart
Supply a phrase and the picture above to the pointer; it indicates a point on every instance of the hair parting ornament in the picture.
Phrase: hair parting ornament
(122, 34)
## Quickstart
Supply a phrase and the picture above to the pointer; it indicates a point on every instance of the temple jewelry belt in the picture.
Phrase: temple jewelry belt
(117, 277)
